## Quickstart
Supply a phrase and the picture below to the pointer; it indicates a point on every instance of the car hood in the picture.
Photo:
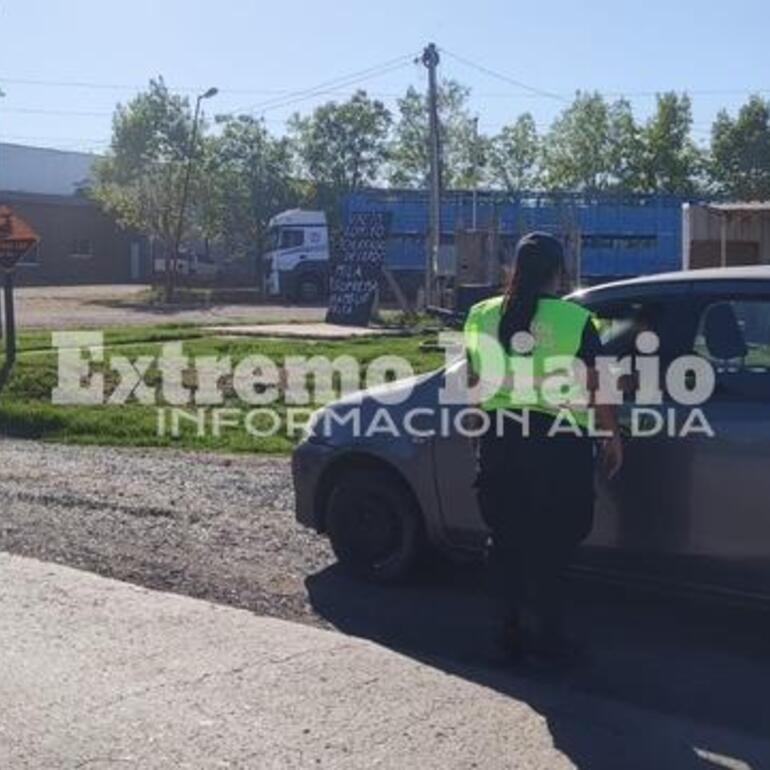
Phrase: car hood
(339, 419)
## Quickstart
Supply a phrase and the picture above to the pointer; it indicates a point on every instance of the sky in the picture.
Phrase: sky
(64, 65)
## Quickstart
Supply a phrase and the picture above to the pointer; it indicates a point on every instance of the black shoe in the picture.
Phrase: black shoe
(510, 643)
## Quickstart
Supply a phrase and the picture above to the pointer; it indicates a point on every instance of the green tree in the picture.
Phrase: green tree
(461, 149)
(671, 162)
(514, 156)
(740, 152)
(625, 148)
(250, 177)
(594, 145)
(342, 146)
(577, 152)
(139, 181)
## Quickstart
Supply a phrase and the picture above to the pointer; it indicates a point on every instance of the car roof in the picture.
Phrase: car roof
(752, 273)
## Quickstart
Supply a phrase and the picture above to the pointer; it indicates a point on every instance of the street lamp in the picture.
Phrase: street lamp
(190, 153)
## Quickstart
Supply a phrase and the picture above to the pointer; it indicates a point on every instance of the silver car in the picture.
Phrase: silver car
(694, 511)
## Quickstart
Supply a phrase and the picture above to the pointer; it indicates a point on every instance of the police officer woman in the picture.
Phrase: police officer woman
(536, 459)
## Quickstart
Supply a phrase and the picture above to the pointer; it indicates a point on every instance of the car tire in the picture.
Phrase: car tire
(374, 525)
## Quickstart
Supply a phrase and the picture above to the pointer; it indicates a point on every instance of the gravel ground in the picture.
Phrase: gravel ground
(204, 525)
(70, 307)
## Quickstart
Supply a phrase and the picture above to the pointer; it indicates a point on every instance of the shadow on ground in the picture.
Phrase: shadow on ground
(5, 373)
(180, 305)
(651, 659)
(150, 305)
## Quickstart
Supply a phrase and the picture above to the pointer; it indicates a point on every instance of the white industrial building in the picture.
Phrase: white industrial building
(43, 170)
(79, 243)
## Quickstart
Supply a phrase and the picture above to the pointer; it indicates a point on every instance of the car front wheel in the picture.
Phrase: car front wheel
(373, 525)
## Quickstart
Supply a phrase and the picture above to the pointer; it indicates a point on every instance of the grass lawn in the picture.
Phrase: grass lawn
(26, 408)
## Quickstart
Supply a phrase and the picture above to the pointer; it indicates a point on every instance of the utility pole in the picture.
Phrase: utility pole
(430, 59)
(475, 171)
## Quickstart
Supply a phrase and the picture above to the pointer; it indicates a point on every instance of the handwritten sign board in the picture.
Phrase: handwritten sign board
(357, 258)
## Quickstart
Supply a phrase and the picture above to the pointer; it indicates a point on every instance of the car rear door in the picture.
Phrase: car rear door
(730, 479)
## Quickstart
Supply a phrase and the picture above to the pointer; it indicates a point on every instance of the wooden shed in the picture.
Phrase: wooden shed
(725, 234)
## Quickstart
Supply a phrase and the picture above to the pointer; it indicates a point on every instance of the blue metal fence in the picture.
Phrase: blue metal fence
(621, 235)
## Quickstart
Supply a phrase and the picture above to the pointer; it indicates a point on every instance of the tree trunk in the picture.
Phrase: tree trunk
(170, 262)
(259, 266)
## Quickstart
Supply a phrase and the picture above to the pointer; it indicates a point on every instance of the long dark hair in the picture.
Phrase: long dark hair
(539, 258)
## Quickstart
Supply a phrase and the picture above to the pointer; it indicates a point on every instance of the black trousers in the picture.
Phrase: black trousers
(536, 495)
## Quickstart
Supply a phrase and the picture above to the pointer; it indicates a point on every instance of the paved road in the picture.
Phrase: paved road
(101, 674)
(78, 307)
(667, 678)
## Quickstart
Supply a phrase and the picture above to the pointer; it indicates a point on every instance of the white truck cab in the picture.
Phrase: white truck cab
(295, 265)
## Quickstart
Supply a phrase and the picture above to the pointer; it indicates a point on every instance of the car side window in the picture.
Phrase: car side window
(619, 324)
(734, 336)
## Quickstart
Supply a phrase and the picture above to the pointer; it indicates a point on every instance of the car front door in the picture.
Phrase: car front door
(642, 516)
(693, 507)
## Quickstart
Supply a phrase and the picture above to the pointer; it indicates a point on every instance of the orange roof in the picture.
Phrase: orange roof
(14, 228)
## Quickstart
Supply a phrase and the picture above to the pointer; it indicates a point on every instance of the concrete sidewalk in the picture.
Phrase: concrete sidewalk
(308, 331)
(97, 673)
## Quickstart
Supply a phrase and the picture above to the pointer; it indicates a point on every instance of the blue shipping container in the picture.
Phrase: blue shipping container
(621, 235)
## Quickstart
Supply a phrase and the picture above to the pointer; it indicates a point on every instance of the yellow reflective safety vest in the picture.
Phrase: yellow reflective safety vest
(548, 377)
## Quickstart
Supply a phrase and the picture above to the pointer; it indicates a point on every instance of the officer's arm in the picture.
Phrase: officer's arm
(606, 416)
(612, 446)
(471, 339)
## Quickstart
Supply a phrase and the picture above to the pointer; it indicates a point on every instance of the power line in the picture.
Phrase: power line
(128, 87)
(311, 95)
(280, 96)
(689, 92)
(531, 91)
(276, 103)
(274, 92)
(535, 91)
(110, 113)
(45, 111)
(339, 82)
(86, 113)
(504, 78)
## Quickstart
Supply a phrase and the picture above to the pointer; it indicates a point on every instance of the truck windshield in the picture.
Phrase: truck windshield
(285, 238)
